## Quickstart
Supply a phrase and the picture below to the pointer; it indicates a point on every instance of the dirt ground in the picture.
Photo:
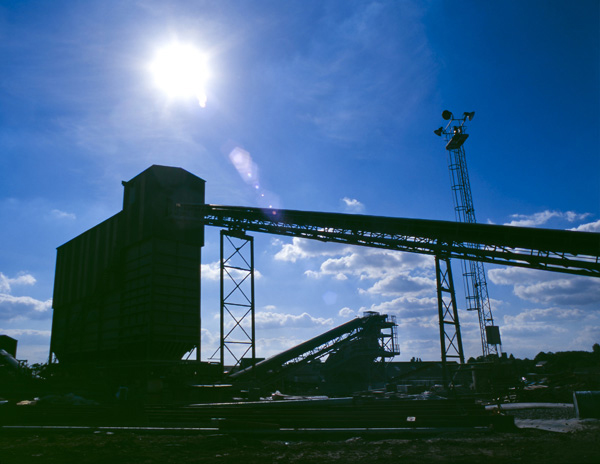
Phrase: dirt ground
(543, 435)
(523, 445)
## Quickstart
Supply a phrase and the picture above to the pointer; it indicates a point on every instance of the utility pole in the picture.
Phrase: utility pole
(475, 282)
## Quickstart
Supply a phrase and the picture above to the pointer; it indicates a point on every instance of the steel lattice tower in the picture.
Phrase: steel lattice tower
(475, 282)
(238, 337)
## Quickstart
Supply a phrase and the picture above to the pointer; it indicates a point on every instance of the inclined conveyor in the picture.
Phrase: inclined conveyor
(367, 329)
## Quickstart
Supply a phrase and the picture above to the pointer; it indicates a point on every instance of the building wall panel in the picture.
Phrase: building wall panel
(129, 288)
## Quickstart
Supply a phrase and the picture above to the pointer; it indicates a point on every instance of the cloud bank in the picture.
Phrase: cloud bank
(541, 218)
(14, 307)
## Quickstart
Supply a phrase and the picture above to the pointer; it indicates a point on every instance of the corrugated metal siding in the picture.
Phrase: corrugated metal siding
(160, 310)
(86, 291)
(129, 287)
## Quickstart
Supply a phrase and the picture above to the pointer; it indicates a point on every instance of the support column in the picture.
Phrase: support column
(199, 349)
(450, 338)
(237, 298)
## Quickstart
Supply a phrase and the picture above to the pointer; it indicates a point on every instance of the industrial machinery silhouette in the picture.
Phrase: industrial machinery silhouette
(127, 291)
(475, 282)
(348, 350)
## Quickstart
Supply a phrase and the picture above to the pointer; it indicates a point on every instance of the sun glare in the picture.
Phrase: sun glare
(180, 71)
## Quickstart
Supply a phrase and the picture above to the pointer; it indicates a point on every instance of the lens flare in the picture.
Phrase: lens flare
(248, 171)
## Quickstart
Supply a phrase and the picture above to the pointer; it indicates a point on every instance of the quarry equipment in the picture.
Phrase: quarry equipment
(350, 347)
(127, 291)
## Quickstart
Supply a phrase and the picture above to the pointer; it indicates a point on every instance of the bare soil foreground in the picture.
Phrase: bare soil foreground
(523, 445)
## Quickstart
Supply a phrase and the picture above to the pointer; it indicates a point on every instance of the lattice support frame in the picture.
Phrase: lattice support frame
(238, 336)
(450, 337)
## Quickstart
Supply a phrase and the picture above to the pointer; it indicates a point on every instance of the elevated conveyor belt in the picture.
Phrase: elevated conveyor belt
(546, 249)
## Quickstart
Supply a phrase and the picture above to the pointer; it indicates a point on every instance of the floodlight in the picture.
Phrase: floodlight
(439, 131)
(470, 115)
(446, 115)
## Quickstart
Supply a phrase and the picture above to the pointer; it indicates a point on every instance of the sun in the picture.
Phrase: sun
(180, 70)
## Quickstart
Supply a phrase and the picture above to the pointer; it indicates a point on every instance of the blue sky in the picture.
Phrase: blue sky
(334, 103)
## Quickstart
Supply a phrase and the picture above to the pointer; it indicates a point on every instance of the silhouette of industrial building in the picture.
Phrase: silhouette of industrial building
(128, 289)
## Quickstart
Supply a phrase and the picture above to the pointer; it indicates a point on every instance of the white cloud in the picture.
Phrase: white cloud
(16, 307)
(62, 215)
(363, 263)
(209, 339)
(420, 347)
(6, 283)
(212, 271)
(541, 315)
(589, 227)
(20, 307)
(541, 218)
(586, 338)
(548, 288)
(305, 249)
(210, 343)
(369, 263)
(566, 291)
(514, 327)
(346, 313)
(394, 273)
(273, 320)
(266, 347)
(538, 329)
(407, 307)
(402, 284)
(542, 329)
(352, 205)
(513, 275)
